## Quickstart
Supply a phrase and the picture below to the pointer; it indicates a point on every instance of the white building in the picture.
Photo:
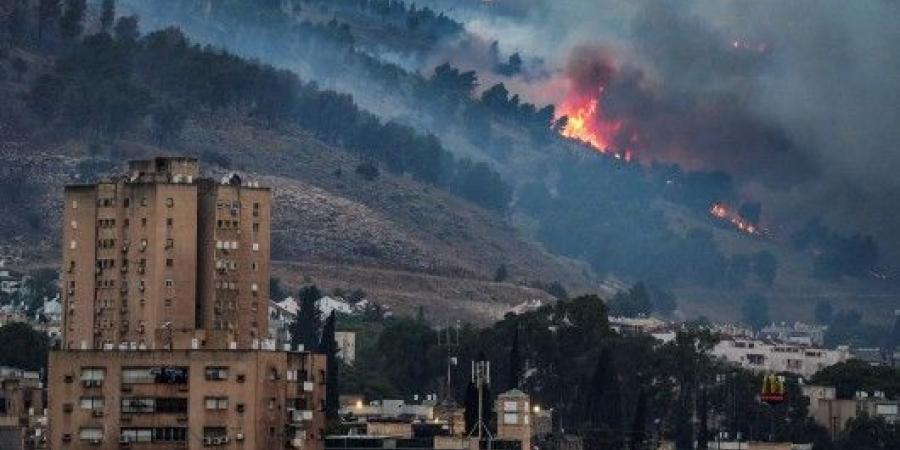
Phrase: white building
(798, 333)
(775, 357)
(346, 343)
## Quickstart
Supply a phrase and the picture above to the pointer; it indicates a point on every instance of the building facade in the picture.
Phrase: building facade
(762, 356)
(165, 333)
(22, 408)
(189, 399)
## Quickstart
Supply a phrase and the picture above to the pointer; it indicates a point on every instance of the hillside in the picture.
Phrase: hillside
(332, 226)
(378, 193)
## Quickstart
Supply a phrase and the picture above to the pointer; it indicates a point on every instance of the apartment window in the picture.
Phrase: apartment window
(216, 402)
(253, 288)
(126, 202)
(91, 434)
(144, 201)
(255, 227)
(125, 222)
(167, 302)
(255, 247)
(170, 222)
(254, 266)
(256, 210)
(170, 202)
(214, 432)
(170, 434)
(74, 204)
(171, 405)
(91, 403)
(136, 435)
(93, 375)
(138, 405)
(74, 225)
(170, 282)
(272, 403)
(143, 221)
(170, 262)
(217, 373)
(73, 245)
(170, 243)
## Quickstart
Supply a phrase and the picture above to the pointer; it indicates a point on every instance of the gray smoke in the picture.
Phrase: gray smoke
(821, 77)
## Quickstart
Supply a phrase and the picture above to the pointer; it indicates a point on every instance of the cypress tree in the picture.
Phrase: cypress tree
(71, 23)
(328, 346)
(515, 362)
(305, 327)
(107, 15)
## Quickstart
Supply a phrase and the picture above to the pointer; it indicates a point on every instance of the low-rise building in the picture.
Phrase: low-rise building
(833, 413)
(22, 410)
(797, 333)
(765, 356)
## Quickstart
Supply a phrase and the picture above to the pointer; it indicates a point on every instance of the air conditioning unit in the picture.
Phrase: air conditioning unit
(217, 441)
(239, 437)
(123, 440)
(224, 440)
(207, 441)
(95, 441)
(97, 413)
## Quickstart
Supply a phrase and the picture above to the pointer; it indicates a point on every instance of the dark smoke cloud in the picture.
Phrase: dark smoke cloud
(804, 107)
(713, 130)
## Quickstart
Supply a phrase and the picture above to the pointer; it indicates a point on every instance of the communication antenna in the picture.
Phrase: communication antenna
(481, 377)
(449, 339)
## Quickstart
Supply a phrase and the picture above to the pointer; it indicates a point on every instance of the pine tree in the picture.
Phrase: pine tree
(107, 15)
(328, 346)
(639, 424)
(48, 16)
(305, 327)
(70, 24)
(603, 409)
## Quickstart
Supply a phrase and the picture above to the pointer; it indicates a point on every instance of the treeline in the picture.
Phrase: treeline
(835, 255)
(606, 213)
(107, 84)
(614, 391)
(421, 21)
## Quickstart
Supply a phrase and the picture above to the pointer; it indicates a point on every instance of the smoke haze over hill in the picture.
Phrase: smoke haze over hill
(796, 99)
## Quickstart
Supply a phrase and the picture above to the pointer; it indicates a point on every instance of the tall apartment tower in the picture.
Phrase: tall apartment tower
(165, 320)
(161, 258)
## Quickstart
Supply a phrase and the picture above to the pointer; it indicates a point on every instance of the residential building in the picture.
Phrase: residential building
(513, 409)
(10, 281)
(190, 399)
(765, 356)
(22, 410)
(797, 333)
(165, 333)
(833, 413)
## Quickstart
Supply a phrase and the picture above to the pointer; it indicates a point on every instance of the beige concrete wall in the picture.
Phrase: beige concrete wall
(259, 397)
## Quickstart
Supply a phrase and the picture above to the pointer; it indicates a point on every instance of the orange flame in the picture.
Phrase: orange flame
(587, 124)
(722, 212)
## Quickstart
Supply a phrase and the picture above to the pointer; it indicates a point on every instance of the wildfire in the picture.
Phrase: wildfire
(721, 212)
(586, 123)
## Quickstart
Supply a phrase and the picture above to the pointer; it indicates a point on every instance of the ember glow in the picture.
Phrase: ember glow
(722, 212)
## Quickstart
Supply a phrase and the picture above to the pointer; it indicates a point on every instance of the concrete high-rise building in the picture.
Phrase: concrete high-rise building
(159, 257)
(165, 319)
